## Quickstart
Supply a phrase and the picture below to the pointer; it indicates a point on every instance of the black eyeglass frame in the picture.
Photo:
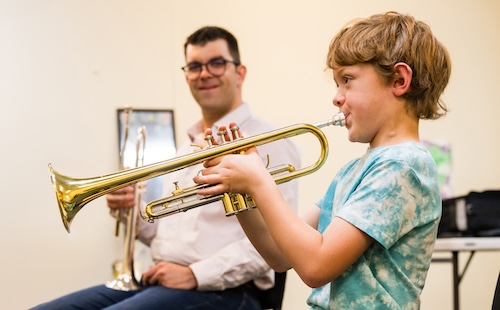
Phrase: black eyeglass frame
(206, 65)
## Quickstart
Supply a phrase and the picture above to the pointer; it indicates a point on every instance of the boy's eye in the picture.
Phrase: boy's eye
(346, 79)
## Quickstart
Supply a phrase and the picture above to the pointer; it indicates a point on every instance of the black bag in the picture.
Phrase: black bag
(474, 215)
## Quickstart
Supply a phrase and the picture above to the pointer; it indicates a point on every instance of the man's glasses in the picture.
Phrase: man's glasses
(215, 67)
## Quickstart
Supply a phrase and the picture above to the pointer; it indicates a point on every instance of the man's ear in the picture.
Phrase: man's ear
(241, 71)
(402, 78)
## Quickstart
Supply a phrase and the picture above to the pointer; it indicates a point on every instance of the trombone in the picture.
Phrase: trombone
(74, 193)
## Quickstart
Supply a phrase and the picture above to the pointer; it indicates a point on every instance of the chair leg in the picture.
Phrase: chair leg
(496, 298)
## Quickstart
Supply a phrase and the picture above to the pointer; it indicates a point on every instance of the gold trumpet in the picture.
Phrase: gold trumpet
(73, 193)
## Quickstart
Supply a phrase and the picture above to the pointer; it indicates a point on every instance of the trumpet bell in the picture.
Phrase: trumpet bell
(73, 193)
(66, 190)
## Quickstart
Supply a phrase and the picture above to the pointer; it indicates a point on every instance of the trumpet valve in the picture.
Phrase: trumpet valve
(228, 205)
(235, 203)
(249, 202)
(208, 139)
(235, 131)
(222, 134)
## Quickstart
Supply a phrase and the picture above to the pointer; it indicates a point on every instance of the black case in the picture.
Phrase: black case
(474, 215)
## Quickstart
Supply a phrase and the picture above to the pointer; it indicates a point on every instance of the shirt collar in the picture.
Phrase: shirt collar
(239, 115)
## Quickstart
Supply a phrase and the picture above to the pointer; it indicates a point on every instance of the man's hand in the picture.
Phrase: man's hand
(170, 275)
(121, 198)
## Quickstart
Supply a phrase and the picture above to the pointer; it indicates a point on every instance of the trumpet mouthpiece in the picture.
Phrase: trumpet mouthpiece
(336, 120)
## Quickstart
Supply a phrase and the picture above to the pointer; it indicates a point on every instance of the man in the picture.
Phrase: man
(203, 259)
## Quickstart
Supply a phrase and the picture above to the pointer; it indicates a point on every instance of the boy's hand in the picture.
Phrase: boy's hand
(234, 172)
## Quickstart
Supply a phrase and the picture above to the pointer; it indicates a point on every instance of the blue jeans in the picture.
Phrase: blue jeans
(153, 297)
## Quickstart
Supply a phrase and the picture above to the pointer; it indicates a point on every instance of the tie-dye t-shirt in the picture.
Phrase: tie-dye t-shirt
(391, 194)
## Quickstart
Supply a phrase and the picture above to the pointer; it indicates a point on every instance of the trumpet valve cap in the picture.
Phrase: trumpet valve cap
(235, 129)
(208, 139)
(222, 134)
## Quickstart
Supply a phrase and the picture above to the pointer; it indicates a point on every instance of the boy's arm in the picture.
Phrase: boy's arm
(255, 228)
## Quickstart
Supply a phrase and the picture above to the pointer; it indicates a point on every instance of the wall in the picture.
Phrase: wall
(65, 66)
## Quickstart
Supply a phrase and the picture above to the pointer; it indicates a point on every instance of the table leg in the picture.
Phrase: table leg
(456, 281)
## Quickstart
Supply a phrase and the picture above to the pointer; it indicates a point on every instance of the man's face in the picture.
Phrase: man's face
(216, 95)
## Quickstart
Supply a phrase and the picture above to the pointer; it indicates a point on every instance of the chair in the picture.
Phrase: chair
(496, 298)
(273, 297)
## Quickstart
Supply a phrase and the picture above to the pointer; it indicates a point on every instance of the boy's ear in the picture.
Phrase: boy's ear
(402, 78)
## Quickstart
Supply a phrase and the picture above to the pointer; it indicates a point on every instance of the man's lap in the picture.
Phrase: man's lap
(153, 297)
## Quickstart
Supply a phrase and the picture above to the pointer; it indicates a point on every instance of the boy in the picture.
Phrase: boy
(368, 242)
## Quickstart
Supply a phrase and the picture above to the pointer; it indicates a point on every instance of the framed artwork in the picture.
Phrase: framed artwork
(157, 144)
(441, 152)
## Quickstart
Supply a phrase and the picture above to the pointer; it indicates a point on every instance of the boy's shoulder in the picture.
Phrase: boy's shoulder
(399, 150)
(407, 154)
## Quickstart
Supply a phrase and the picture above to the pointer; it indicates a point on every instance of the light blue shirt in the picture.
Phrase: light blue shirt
(391, 194)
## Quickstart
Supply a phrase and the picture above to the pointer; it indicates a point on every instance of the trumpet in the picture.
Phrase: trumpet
(74, 193)
(124, 277)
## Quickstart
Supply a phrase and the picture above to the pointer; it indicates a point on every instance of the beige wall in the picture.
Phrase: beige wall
(65, 66)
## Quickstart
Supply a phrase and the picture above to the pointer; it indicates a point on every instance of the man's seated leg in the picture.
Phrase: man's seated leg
(159, 297)
(97, 297)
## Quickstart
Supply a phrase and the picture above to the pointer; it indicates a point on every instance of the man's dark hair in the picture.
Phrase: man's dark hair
(211, 33)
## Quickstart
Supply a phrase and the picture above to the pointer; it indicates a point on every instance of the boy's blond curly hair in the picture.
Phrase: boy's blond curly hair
(386, 39)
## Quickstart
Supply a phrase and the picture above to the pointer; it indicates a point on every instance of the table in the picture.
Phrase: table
(466, 244)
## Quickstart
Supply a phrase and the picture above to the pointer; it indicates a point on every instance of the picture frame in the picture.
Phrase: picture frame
(159, 143)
